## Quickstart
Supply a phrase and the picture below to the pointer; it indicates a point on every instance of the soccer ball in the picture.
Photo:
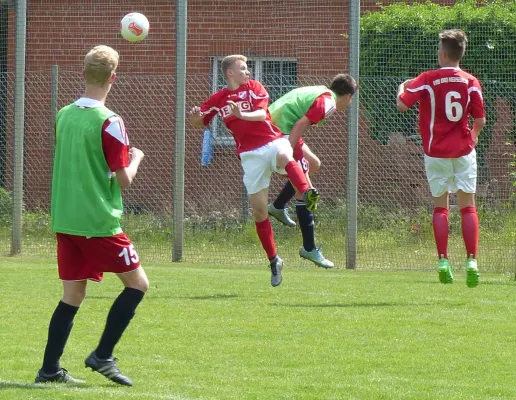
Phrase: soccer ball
(134, 27)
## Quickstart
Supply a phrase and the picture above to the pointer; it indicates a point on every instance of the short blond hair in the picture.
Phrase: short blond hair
(227, 62)
(99, 64)
(453, 41)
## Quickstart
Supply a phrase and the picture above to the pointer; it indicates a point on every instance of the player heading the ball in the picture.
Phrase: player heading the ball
(260, 145)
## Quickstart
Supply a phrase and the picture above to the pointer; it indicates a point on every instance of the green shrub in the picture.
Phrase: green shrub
(400, 41)
(6, 206)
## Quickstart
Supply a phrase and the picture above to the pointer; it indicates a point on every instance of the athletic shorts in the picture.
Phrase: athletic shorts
(452, 174)
(260, 163)
(80, 258)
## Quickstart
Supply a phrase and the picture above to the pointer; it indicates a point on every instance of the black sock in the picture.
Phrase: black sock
(59, 330)
(284, 196)
(306, 223)
(121, 313)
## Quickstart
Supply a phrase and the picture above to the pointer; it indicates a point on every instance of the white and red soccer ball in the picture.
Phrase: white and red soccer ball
(134, 27)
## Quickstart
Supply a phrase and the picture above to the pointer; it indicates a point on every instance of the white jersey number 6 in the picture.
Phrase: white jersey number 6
(453, 108)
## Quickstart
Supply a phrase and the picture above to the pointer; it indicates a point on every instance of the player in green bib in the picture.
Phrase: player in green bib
(92, 162)
(294, 113)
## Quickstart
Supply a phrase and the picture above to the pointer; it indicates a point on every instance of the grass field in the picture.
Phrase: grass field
(221, 332)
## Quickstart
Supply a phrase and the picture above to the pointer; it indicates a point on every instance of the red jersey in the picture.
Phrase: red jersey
(322, 107)
(447, 97)
(249, 135)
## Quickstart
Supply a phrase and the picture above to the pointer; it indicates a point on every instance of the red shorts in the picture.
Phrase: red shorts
(80, 258)
(298, 155)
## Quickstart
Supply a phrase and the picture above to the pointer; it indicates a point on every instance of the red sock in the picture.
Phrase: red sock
(266, 235)
(470, 230)
(296, 176)
(441, 230)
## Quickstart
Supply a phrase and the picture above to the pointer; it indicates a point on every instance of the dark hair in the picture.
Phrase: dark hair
(453, 42)
(343, 84)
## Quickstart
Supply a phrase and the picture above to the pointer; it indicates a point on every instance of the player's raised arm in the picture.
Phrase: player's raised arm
(401, 91)
(195, 117)
(201, 116)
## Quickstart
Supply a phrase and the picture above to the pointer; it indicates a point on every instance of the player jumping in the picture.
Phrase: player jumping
(447, 97)
(260, 145)
(294, 113)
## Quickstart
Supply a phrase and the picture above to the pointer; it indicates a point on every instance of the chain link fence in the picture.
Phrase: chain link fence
(285, 50)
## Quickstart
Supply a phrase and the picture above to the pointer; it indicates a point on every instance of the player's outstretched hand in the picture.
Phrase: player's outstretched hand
(195, 117)
(135, 153)
(234, 109)
(195, 111)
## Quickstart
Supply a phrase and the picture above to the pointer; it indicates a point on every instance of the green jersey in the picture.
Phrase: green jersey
(291, 107)
(86, 197)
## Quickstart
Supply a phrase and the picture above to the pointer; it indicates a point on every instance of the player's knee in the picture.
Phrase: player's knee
(136, 279)
(314, 164)
(260, 214)
(466, 199)
(260, 211)
(74, 298)
(142, 283)
(283, 157)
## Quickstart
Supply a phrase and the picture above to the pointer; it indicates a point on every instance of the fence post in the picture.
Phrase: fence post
(19, 122)
(352, 178)
(179, 151)
(4, 43)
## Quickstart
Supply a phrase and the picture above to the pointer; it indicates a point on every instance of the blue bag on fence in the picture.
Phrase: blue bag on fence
(207, 148)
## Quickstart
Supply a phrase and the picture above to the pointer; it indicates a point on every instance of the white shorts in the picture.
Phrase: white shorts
(260, 163)
(452, 174)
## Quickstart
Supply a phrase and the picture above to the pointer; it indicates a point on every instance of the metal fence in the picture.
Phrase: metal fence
(376, 207)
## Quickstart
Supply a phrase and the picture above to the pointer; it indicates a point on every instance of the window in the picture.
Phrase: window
(278, 75)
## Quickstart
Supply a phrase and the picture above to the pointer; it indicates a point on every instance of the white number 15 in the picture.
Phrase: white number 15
(129, 254)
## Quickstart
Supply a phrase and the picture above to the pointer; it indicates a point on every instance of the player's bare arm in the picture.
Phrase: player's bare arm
(126, 175)
(195, 117)
(298, 130)
(257, 115)
(478, 124)
(401, 89)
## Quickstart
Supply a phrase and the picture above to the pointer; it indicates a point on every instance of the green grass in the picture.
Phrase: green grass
(387, 239)
(221, 332)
